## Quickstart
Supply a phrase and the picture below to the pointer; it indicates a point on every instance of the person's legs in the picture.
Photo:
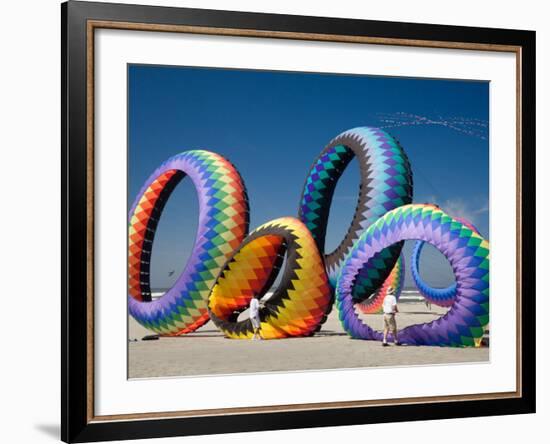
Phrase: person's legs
(256, 328)
(395, 339)
(259, 330)
(386, 328)
(394, 331)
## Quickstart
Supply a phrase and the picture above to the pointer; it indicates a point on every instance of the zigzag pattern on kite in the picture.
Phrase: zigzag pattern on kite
(223, 224)
(466, 250)
(443, 297)
(386, 183)
(299, 303)
(395, 280)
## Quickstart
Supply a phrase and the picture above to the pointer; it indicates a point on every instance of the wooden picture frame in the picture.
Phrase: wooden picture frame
(79, 22)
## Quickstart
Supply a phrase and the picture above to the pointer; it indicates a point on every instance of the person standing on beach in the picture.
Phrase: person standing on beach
(254, 308)
(389, 307)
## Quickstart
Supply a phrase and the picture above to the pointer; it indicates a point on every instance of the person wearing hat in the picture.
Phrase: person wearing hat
(389, 307)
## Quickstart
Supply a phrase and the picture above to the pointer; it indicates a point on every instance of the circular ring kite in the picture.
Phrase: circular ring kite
(223, 224)
(468, 254)
(386, 183)
(395, 280)
(299, 304)
(443, 297)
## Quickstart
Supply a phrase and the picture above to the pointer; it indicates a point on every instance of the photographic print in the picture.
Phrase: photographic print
(302, 203)
(294, 221)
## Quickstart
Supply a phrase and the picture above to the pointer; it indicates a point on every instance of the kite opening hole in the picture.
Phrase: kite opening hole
(434, 268)
(174, 237)
(272, 282)
(344, 206)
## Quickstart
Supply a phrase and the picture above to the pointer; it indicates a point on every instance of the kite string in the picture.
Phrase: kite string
(473, 127)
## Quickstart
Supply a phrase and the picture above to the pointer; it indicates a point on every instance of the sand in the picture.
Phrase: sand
(207, 352)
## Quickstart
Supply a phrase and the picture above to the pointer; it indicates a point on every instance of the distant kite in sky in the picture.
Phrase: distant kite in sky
(477, 128)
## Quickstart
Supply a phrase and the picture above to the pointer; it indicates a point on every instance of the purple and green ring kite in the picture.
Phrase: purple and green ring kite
(468, 253)
(385, 184)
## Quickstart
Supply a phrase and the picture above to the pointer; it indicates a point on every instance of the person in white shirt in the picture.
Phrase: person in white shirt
(389, 307)
(254, 308)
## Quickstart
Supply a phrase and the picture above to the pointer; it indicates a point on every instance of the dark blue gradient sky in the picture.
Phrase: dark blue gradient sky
(272, 125)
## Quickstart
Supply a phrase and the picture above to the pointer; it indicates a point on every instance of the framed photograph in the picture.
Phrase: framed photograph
(275, 221)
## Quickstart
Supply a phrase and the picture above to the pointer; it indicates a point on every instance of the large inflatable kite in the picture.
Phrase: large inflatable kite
(468, 254)
(223, 224)
(443, 297)
(299, 303)
(385, 184)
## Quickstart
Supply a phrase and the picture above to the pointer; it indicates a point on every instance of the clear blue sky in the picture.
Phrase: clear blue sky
(272, 125)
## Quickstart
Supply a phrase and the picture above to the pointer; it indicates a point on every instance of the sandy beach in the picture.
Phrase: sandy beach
(207, 352)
